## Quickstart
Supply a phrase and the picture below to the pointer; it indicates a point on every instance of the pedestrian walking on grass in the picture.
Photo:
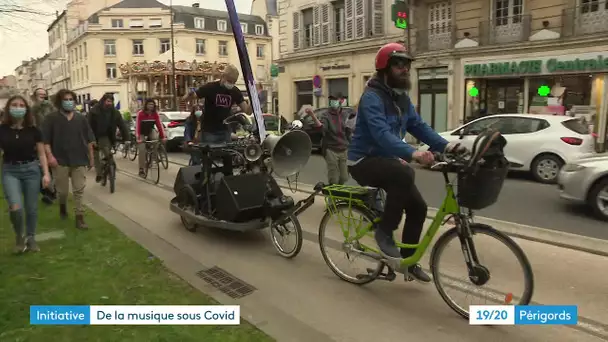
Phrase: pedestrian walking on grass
(41, 108)
(336, 137)
(68, 141)
(24, 169)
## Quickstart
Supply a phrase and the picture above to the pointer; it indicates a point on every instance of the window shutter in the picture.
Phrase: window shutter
(349, 18)
(297, 18)
(325, 23)
(377, 28)
(316, 25)
(360, 19)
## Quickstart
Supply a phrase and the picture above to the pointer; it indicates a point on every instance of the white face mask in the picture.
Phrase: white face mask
(399, 91)
(228, 85)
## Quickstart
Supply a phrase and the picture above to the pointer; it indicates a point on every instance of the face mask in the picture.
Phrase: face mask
(17, 112)
(198, 113)
(67, 105)
(334, 104)
(228, 85)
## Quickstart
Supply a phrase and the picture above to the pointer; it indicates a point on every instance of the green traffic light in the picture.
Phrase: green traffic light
(474, 92)
(401, 23)
(399, 14)
(544, 90)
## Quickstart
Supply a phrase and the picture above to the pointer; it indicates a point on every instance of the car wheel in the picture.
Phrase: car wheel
(598, 199)
(545, 168)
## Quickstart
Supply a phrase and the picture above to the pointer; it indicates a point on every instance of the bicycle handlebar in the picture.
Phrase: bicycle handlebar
(443, 160)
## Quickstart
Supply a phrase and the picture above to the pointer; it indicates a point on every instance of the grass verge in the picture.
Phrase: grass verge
(96, 267)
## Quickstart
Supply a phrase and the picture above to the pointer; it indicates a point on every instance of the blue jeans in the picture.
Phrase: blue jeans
(22, 180)
(216, 137)
(220, 138)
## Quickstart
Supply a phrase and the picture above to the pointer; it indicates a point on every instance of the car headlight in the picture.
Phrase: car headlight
(572, 167)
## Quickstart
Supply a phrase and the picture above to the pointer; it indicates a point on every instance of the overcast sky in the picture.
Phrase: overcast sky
(23, 36)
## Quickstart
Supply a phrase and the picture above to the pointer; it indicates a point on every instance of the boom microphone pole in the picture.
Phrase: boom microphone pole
(246, 68)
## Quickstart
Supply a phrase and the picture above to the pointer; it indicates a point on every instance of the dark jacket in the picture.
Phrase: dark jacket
(383, 119)
(105, 121)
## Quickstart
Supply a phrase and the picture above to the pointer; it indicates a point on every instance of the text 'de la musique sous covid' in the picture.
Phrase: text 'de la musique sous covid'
(135, 315)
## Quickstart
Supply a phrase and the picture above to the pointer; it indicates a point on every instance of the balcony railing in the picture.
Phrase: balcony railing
(504, 30)
(584, 20)
(438, 38)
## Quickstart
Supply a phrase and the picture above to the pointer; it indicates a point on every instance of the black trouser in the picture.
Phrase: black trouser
(401, 194)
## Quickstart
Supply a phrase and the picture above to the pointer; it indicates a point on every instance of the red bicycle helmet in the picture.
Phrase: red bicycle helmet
(388, 51)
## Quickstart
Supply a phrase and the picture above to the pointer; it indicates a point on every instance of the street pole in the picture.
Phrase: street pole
(173, 77)
(409, 32)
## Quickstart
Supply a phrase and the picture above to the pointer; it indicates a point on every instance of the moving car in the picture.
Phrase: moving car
(316, 133)
(173, 123)
(585, 181)
(540, 144)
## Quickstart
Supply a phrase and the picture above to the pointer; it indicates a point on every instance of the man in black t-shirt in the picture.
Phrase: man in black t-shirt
(219, 97)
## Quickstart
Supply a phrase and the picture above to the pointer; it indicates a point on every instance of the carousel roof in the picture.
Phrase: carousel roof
(180, 55)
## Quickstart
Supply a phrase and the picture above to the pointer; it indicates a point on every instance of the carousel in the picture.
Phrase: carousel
(152, 80)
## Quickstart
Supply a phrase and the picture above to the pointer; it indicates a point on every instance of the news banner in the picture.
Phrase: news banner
(230, 314)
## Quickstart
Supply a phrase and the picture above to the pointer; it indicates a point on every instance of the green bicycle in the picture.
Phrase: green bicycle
(361, 201)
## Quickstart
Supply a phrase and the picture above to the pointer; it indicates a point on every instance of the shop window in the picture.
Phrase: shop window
(566, 91)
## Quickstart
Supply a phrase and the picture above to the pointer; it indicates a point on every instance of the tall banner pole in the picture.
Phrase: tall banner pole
(246, 68)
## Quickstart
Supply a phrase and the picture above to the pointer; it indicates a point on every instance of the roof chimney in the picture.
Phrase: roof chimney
(196, 5)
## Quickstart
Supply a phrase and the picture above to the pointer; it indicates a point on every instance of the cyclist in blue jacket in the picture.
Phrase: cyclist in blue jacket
(377, 153)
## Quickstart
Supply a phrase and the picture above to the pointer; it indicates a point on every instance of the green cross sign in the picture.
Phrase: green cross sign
(543, 90)
(474, 92)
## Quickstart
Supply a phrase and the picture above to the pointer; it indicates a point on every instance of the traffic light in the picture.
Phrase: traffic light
(400, 14)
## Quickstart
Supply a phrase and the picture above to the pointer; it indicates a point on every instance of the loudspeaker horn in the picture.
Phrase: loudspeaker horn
(288, 152)
(253, 152)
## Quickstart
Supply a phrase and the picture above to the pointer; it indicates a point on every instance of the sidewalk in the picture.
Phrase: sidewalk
(286, 289)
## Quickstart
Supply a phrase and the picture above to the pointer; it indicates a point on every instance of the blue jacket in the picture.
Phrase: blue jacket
(383, 118)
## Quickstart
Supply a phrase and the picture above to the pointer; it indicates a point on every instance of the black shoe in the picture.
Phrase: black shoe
(142, 173)
(98, 179)
(416, 273)
(387, 244)
(47, 200)
(63, 211)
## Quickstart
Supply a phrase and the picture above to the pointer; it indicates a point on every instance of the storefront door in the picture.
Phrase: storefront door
(505, 96)
(433, 103)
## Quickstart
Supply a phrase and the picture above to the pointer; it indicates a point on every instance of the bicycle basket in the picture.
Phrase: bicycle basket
(479, 183)
(480, 189)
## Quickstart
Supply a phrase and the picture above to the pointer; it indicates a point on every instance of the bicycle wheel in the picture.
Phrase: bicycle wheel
(289, 228)
(373, 268)
(163, 158)
(152, 168)
(104, 175)
(481, 275)
(112, 176)
(133, 150)
(125, 150)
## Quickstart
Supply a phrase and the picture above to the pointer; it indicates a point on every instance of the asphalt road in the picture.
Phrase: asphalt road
(521, 201)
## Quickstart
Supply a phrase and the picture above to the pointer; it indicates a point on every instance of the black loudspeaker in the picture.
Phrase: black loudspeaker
(188, 175)
(241, 198)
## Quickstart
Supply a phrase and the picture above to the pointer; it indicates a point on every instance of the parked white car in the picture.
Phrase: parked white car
(585, 181)
(173, 123)
(540, 144)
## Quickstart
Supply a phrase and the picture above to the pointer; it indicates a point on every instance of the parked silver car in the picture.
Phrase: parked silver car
(586, 181)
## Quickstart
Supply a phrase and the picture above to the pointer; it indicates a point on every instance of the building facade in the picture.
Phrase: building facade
(57, 55)
(23, 77)
(333, 40)
(268, 9)
(124, 33)
(40, 74)
(484, 57)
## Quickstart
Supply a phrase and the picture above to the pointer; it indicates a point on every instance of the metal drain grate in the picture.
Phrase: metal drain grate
(226, 282)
